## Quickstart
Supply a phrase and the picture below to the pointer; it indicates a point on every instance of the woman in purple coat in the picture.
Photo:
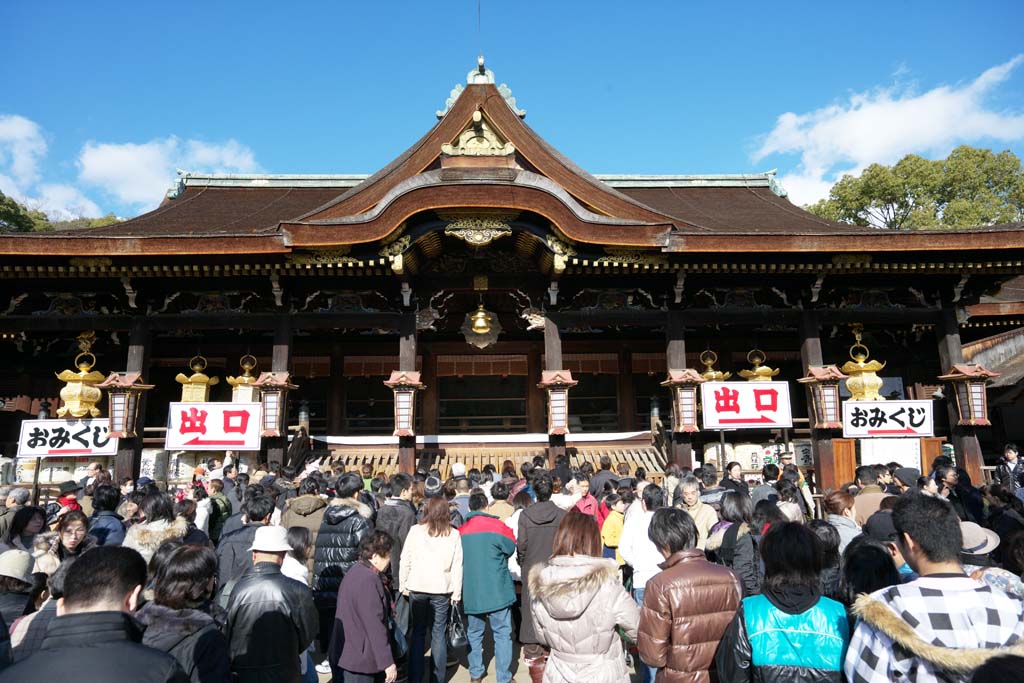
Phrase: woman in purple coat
(364, 615)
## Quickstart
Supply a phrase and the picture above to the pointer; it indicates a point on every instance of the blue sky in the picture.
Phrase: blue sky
(101, 101)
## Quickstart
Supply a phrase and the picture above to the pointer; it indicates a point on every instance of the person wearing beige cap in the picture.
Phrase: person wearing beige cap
(978, 544)
(271, 618)
(15, 583)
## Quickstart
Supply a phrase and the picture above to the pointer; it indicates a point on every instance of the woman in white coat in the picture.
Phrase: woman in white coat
(578, 601)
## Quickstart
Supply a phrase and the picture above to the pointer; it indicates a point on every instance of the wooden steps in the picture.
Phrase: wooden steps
(384, 459)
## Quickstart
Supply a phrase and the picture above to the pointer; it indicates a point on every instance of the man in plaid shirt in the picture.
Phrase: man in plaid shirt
(941, 626)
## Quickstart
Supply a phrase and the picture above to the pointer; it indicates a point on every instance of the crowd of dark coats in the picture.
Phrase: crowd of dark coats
(595, 573)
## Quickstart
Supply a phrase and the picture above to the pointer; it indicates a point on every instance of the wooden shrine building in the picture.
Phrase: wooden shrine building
(486, 267)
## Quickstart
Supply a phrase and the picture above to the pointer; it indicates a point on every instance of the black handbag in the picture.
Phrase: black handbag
(456, 631)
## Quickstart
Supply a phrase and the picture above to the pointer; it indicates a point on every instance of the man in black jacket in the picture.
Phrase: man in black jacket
(1010, 471)
(271, 618)
(233, 554)
(605, 475)
(93, 639)
(396, 517)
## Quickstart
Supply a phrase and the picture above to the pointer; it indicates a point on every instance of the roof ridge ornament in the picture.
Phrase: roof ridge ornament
(774, 184)
(481, 75)
(178, 187)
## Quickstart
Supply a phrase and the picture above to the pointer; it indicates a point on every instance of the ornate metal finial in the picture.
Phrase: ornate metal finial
(760, 373)
(80, 396)
(864, 382)
(708, 359)
(196, 388)
(481, 75)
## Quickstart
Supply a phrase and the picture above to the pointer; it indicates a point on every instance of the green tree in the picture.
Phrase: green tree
(16, 218)
(969, 188)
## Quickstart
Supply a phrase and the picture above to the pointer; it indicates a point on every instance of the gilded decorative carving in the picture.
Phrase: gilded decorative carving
(396, 247)
(561, 251)
(626, 257)
(479, 140)
(478, 232)
(336, 255)
(195, 388)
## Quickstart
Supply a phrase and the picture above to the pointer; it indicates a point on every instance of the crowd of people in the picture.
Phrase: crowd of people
(595, 573)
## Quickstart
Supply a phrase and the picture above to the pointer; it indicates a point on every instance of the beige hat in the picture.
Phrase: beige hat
(977, 540)
(270, 539)
(17, 564)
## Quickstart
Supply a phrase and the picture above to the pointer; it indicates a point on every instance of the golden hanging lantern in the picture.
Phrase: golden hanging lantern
(80, 395)
(481, 321)
(864, 382)
(708, 359)
(759, 373)
(196, 388)
(242, 389)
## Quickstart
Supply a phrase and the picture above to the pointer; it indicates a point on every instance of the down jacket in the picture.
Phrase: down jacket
(743, 560)
(686, 610)
(346, 522)
(191, 636)
(578, 601)
(767, 644)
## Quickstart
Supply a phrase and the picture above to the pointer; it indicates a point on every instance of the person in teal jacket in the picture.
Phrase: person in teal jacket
(487, 589)
(789, 633)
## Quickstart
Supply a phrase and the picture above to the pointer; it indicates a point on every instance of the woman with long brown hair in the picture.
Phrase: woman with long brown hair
(578, 601)
(430, 574)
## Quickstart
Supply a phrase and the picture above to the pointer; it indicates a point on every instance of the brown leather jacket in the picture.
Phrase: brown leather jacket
(687, 609)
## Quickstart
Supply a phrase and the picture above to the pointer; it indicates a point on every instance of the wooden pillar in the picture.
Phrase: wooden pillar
(826, 475)
(535, 419)
(680, 445)
(553, 361)
(336, 397)
(626, 392)
(407, 363)
(281, 361)
(964, 440)
(129, 451)
(432, 394)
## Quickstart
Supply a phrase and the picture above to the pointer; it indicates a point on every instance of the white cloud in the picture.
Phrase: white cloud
(22, 147)
(65, 202)
(140, 174)
(883, 125)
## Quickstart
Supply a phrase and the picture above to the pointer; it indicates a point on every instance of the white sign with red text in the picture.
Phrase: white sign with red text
(746, 405)
(55, 438)
(214, 426)
(873, 419)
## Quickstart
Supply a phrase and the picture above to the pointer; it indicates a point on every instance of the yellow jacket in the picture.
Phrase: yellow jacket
(611, 532)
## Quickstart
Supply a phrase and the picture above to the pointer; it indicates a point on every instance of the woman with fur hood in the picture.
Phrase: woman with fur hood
(159, 524)
(70, 539)
(182, 621)
(731, 544)
(578, 601)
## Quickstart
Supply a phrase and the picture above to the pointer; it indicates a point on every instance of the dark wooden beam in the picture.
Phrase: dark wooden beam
(128, 461)
(280, 361)
(822, 450)
(407, 343)
(964, 439)
(535, 419)
(432, 394)
(680, 445)
(552, 346)
(227, 321)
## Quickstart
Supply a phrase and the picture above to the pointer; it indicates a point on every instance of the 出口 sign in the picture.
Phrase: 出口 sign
(55, 438)
(746, 405)
(214, 426)
(872, 419)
